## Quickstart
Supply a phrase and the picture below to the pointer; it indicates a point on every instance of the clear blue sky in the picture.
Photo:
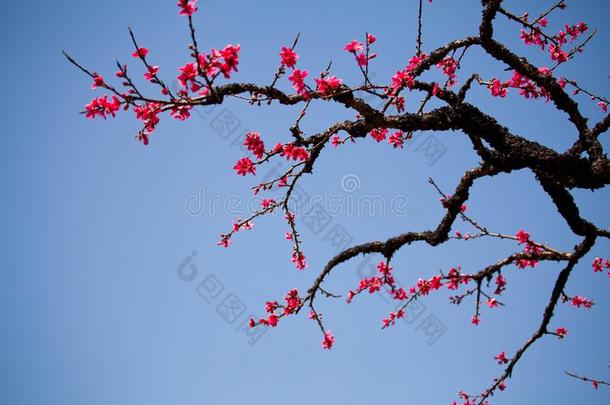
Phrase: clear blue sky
(94, 225)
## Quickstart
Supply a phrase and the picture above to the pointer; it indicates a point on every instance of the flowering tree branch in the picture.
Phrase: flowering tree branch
(594, 382)
(583, 165)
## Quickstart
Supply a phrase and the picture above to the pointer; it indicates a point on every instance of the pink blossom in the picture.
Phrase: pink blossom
(140, 53)
(523, 236)
(289, 57)
(396, 139)
(497, 88)
(255, 144)
(187, 7)
(579, 301)
(501, 358)
(328, 341)
(327, 85)
(561, 332)
(244, 166)
(353, 46)
(152, 71)
(297, 77)
(298, 258)
(558, 54)
(225, 241)
(98, 81)
(100, 107)
(379, 134)
(188, 73)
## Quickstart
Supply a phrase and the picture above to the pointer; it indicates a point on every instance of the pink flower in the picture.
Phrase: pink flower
(98, 81)
(100, 106)
(449, 66)
(561, 332)
(293, 302)
(391, 319)
(475, 320)
(384, 268)
(575, 30)
(297, 77)
(523, 236)
(327, 85)
(230, 55)
(336, 141)
(244, 166)
(396, 139)
(379, 134)
(271, 306)
(558, 54)
(603, 105)
(181, 112)
(188, 73)
(272, 320)
(140, 53)
(492, 302)
(149, 114)
(371, 39)
(435, 283)
(254, 144)
(328, 341)
(497, 88)
(266, 203)
(579, 301)
(290, 151)
(598, 264)
(401, 79)
(187, 7)
(225, 241)
(152, 71)
(362, 60)
(423, 286)
(298, 258)
(353, 46)
(289, 57)
(501, 358)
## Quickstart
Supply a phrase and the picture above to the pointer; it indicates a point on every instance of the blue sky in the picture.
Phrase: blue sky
(97, 228)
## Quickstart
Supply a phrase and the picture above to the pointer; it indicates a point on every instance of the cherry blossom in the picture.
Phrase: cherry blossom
(289, 57)
(297, 77)
(329, 340)
(354, 46)
(561, 332)
(244, 166)
(152, 71)
(98, 81)
(140, 53)
(254, 144)
(379, 134)
(579, 301)
(501, 358)
(327, 85)
(187, 7)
